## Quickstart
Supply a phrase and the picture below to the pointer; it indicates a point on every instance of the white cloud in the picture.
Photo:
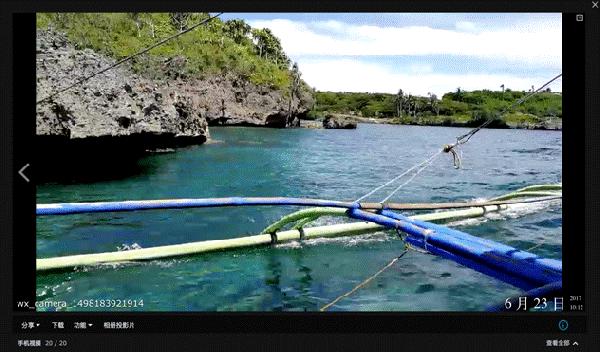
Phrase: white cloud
(537, 42)
(330, 25)
(530, 45)
(420, 68)
(352, 76)
(466, 26)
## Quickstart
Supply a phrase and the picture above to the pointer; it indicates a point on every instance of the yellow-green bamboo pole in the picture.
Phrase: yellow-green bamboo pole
(523, 194)
(207, 246)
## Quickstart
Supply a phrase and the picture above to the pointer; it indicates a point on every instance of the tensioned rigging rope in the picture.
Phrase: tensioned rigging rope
(362, 284)
(129, 58)
(465, 137)
(449, 149)
(426, 162)
(410, 179)
(537, 90)
(407, 247)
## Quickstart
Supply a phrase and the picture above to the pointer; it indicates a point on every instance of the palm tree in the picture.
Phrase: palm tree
(294, 86)
(269, 47)
(399, 101)
(237, 29)
(260, 40)
(433, 99)
(412, 105)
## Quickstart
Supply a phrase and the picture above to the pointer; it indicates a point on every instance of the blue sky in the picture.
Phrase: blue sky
(419, 52)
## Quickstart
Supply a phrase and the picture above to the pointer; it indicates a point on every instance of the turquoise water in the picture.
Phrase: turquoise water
(326, 164)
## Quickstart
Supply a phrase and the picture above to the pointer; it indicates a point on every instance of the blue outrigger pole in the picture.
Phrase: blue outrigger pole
(518, 268)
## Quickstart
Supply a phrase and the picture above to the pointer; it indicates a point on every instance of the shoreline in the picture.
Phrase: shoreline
(548, 126)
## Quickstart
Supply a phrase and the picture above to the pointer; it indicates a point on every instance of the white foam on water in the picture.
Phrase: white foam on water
(467, 222)
(127, 247)
(289, 245)
(346, 240)
(513, 211)
(165, 263)
(517, 210)
(106, 265)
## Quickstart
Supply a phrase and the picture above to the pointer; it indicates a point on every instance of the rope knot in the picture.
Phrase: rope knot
(449, 148)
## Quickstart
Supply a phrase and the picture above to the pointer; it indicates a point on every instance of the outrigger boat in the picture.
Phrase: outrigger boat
(516, 267)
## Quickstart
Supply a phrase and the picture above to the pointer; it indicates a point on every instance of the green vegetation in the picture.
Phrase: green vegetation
(216, 47)
(234, 48)
(469, 108)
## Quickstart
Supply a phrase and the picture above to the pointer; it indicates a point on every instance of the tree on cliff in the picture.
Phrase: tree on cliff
(459, 95)
(269, 47)
(180, 20)
(237, 29)
(294, 85)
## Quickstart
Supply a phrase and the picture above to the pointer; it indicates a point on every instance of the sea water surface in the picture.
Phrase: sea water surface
(297, 276)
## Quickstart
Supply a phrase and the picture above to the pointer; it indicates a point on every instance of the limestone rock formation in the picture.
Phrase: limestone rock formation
(116, 103)
(120, 115)
(337, 123)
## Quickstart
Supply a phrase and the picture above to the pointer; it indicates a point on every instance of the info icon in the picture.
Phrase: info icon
(563, 325)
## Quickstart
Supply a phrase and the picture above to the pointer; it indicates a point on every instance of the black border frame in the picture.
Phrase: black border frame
(348, 329)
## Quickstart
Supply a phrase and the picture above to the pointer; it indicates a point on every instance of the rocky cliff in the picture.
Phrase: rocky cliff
(120, 113)
(119, 103)
(116, 103)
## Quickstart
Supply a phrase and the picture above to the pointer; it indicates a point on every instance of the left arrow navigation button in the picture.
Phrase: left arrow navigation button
(22, 174)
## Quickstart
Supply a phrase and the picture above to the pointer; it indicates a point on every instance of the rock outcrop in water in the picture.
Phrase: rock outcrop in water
(337, 123)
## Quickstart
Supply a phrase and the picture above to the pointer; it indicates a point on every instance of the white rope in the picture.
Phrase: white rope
(362, 284)
(411, 178)
(448, 148)
(399, 176)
